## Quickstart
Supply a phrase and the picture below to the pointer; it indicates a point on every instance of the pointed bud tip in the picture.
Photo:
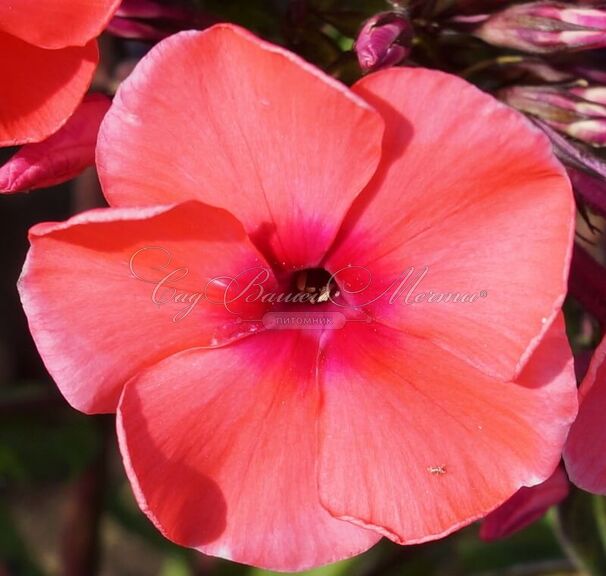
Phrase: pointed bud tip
(545, 27)
(385, 40)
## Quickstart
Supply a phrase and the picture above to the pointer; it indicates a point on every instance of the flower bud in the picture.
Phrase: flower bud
(540, 70)
(569, 110)
(575, 154)
(384, 41)
(591, 131)
(586, 170)
(545, 27)
(153, 20)
(553, 103)
(591, 93)
(591, 73)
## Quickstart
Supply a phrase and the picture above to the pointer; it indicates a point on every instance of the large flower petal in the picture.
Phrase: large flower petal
(97, 309)
(468, 188)
(415, 443)
(62, 156)
(230, 468)
(41, 88)
(224, 117)
(56, 23)
(585, 452)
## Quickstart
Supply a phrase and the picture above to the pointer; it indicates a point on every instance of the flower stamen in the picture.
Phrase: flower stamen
(317, 283)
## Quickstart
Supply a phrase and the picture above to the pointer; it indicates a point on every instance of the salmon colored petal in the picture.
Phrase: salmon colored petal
(97, 309)
(61, 156)
(416, 443)
(468, 188)
(230, 468)
(41, 89)
(585, 452)
(253, 129)
(56, 23)
(525, 507)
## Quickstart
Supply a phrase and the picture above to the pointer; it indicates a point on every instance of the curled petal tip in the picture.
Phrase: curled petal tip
(61, 156)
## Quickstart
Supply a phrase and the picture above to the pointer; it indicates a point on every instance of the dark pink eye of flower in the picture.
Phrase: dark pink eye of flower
(223, 155)
(48, 55)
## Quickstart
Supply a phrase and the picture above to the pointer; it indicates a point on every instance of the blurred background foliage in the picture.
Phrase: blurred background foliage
(66, 507)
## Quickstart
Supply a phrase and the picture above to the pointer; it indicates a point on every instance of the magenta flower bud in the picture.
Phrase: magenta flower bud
(153, 9)
(552, 104)
(384, 41)
(568, 110)
(591, 131)
(137, 30)
(545, 27)
(153, 20)
(586, 170)
(591, 73)
(541, 71)
(591, 93)
(575, 154)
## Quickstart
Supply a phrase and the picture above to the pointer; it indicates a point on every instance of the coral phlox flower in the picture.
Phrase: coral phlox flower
(48, 54)
(288, 449)
(60, 157)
